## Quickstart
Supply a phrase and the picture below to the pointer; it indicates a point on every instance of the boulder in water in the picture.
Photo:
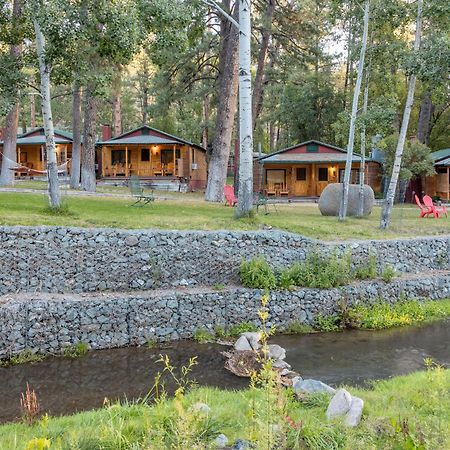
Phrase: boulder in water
(330, 200)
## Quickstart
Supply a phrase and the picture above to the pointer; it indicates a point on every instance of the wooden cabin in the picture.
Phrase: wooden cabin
(32, 153)
(305, 169)
(438, 185)
(153, 154)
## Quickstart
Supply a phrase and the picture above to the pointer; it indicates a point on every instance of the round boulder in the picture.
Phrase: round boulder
(330, 200)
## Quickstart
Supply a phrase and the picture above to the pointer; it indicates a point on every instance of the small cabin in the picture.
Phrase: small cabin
(305, 169)
(32, 153)
(151, 154)
(438, 185)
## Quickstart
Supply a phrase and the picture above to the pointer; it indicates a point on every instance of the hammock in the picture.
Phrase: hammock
(16, 167)
(62, 168)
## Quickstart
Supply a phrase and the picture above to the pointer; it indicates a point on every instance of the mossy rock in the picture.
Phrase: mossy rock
(330, 200)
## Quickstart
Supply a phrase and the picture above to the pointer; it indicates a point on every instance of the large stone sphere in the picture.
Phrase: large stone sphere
(330, 200)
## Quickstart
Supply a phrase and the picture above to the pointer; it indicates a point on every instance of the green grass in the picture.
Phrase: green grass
(407, 412)
(189, 211)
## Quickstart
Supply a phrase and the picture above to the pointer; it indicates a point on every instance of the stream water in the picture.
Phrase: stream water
(65, 385)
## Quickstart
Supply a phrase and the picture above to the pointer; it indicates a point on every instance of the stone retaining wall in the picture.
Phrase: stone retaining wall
(50, 322)
(57, 259)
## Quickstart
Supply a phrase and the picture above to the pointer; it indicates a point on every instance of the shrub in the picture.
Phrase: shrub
(76, 350)
(298, 328)
(203, 336)
(238, 329)
(256, 273)
(366, 271)
(388, 273)
(328, 323)
(27, 356)
(321, 272)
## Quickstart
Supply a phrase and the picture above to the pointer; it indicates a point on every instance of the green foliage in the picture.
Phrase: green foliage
(151, 343)
(238, 329)
(256, 273)
(388, 273)
(297, 328)
(366, 271)
(219, 287)
(318, 271)
(203, 336)
(416, 160)
(383, 315)
(76, 351)
(27, 356)
(328, 323)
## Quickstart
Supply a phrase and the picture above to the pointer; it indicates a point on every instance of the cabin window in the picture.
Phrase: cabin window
(275, 176)
(117, 157)
(323, 174)
(177, 153)
(301, 173)
(312, 147)
(145, 132)
(354, 176)
(441, 170)
(166, 156)
(145, 154)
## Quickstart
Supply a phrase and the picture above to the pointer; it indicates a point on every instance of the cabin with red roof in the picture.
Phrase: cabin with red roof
(151, 154)
(305, 169)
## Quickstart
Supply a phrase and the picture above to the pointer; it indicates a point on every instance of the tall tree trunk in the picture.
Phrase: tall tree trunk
(226, 110)
(52, 164)
(362, 167)
(389, 201)
(89, 137)
(349, 57)
(117, 102)
(258, 88)
(205, 133)
(76, 130)
(351, 136)
(245, 192)
(425, 116)
(12, 119)
(32, 111)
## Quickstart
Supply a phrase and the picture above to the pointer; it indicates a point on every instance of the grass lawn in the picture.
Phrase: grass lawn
(407, 412)
(189, 211)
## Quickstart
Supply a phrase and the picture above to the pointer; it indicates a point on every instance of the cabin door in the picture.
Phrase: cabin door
(322, 179)
(301, 180)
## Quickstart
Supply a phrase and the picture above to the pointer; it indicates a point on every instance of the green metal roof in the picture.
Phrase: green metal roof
(142, 139)
(440, 154)
(145, 139)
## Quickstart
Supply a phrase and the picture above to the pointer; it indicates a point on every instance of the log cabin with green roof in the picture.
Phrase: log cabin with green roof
(31, 150)
(305, 169)
(153, 155)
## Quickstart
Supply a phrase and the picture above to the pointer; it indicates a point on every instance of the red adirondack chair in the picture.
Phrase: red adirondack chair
(424, 210)
(230, 198)
(436, 210)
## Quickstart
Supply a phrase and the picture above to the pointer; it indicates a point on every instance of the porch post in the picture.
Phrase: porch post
(126, 161)
(42, 157)
(174, 161)
(103, 160)
(18, 156)
(313, 180)
(448, 183)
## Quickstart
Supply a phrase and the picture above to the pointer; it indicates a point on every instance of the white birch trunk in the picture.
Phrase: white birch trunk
(351, 136)
(390, 196)
(76, 130)
(362, 168)
(44, 71)
(245, 192)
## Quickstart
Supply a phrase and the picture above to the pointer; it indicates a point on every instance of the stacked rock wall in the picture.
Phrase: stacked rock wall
(56, 259)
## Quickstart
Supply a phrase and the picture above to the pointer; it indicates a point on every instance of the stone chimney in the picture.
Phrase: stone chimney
(106, 132)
